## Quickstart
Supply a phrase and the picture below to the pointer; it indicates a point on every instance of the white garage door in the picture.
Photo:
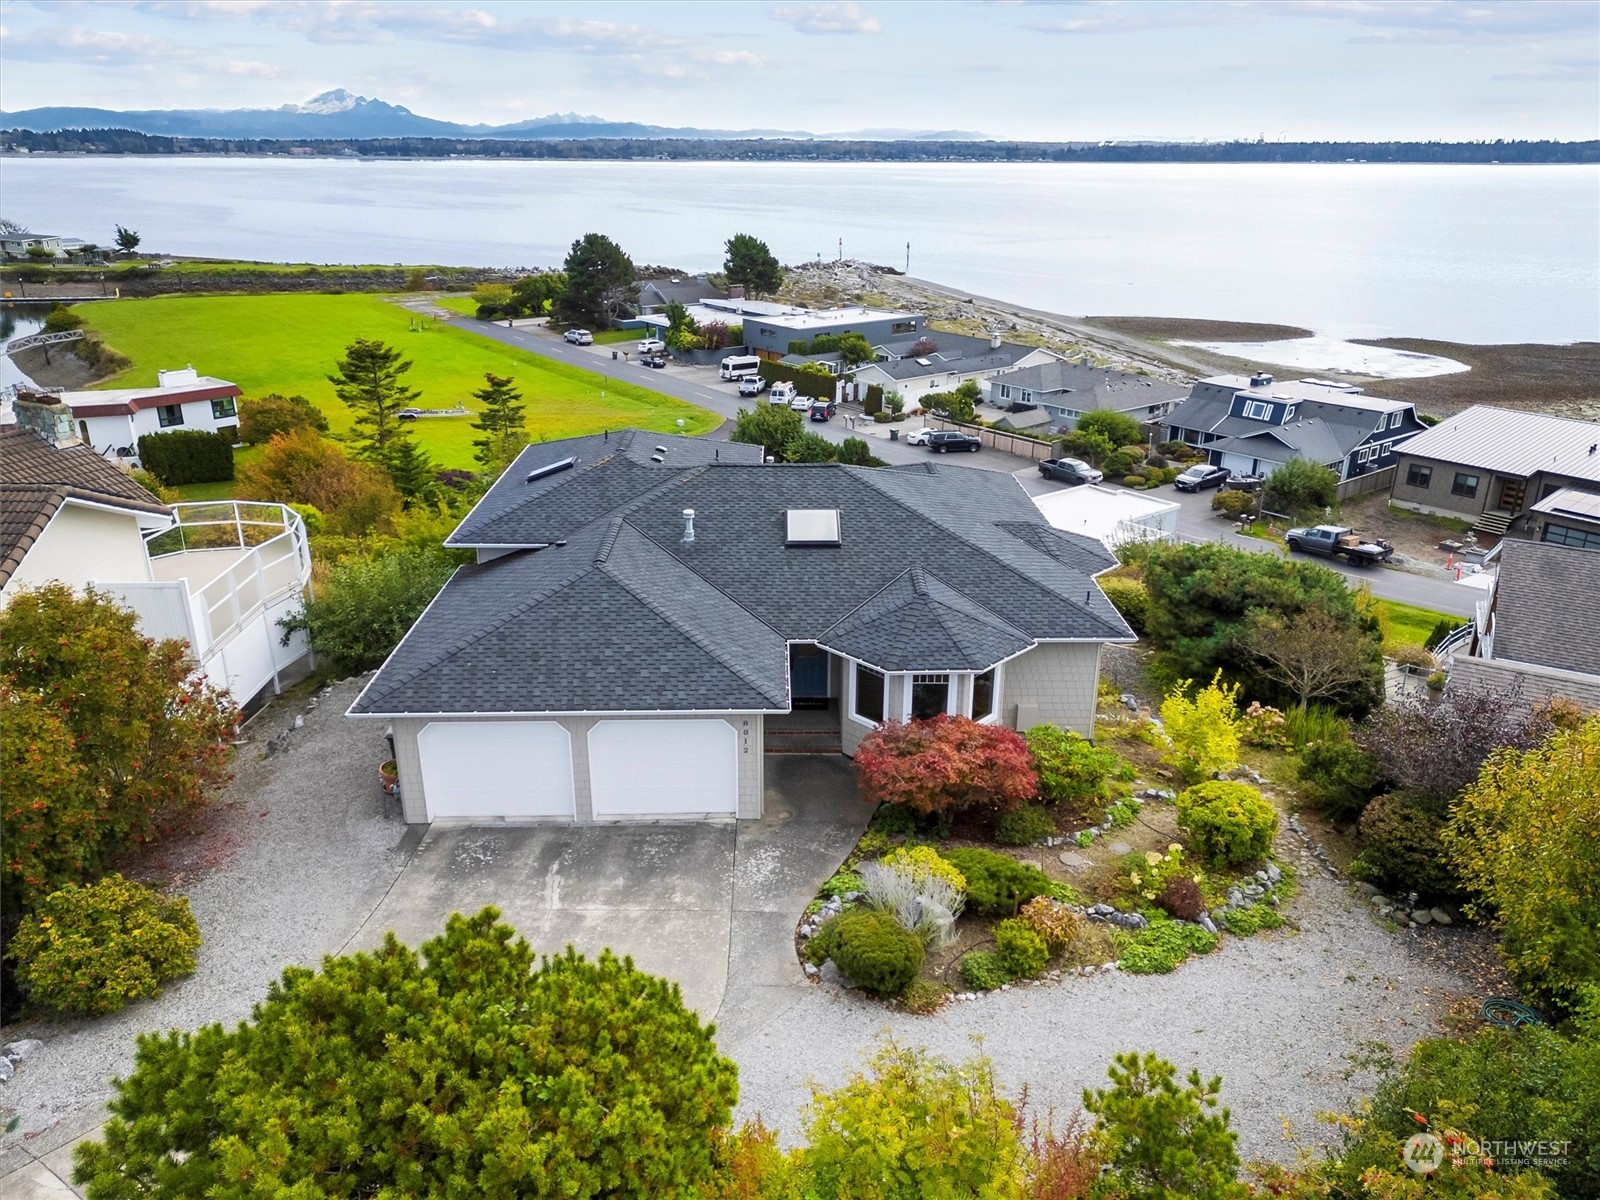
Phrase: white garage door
(496, 769)
(662, 768)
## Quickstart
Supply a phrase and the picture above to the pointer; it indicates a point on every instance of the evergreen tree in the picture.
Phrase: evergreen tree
(751, 264)
(467, 1070)
(370, 381)
(502, 422)
(411, 470)
(599, 282)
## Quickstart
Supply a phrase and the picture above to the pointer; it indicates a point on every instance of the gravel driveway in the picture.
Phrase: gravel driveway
(1276, 1015)
(285, 874)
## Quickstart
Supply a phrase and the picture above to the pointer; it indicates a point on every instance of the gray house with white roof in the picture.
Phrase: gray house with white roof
(643, 607)
(1252, 425)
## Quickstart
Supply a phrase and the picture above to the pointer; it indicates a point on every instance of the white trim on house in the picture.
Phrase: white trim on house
(958, 701)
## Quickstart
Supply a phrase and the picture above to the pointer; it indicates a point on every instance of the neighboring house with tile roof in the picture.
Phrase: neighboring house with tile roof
(113, 420)
(1066, 390)
(1253, 424)
(69, 516)
(1495, 466)
(647, 612)
(1538, 630)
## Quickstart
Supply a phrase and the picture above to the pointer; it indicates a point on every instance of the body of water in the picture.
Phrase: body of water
(1463, 253)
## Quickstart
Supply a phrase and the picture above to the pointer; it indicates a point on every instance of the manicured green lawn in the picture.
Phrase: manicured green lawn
(1406, 624)
(290, 344)
(459, 302)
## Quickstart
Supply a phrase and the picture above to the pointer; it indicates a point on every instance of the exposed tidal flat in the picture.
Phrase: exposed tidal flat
(1470, 254)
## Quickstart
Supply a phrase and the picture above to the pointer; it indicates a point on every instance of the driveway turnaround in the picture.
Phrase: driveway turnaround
(712, 907)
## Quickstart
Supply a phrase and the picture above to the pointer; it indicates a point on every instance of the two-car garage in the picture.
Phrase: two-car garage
(578, 769)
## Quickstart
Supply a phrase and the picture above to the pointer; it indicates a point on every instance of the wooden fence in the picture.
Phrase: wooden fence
(1380, 480)
(998, 439)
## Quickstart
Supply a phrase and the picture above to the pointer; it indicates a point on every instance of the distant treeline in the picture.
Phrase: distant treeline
(126, 141)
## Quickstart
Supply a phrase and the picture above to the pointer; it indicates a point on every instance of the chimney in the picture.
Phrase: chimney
(994, 341)
(688, 527)
(48, 417)
(736, 291)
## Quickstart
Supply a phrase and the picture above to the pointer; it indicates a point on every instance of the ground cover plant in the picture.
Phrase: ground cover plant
(287, 344)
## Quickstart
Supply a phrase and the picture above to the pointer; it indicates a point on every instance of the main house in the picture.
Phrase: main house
(770, 327)
(114, 420)
(1503, 469)
(216, 575)
(644, 607)
(920, 364)
(1064, 391)
(1252, 425)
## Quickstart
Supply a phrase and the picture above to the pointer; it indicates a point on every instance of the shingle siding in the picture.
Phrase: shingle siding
(1055, 684)
(1535, 683)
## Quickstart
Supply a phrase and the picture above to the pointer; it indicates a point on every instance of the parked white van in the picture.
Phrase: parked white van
(783, 392)
(740, 366)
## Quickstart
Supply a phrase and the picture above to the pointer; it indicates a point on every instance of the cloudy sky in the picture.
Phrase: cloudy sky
(1296, 69)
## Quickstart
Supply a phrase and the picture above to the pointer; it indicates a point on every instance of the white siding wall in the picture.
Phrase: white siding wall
(82, 546)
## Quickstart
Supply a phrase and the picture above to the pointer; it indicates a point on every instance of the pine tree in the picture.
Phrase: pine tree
(370, 383)
(503, 423)
(411, 470)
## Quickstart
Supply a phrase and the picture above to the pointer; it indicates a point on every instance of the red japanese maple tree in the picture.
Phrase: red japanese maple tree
(945, 764)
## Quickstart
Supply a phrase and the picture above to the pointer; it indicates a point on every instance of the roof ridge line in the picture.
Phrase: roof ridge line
(710, 648)
(846, 615)
(613, 528)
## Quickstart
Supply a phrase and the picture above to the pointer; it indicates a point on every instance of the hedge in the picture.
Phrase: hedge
(873, 404)
(807, 383)
(187, 456)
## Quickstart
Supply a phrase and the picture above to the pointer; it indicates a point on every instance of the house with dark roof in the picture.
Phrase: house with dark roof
(67, 515)
(1065, 390)
(1253, 424)
(655, 294)
(1497, 467)
(1538, 629)
(646, 612)
(938, 361)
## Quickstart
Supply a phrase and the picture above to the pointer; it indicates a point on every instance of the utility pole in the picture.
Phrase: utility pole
(841, 249)
(908, 258)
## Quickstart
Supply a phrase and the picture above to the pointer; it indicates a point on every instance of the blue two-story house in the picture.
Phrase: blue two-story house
(1252, 424)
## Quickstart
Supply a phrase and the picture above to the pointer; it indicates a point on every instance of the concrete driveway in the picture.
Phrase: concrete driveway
(711, 906)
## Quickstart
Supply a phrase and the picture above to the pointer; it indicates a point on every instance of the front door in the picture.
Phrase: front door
(1511, 494)
(808, 676)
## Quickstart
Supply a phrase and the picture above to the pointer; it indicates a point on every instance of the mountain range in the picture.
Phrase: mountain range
(342, 114)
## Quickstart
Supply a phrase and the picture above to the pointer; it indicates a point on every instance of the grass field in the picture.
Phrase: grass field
(1406, 624)
(458, 302)
(291, 343)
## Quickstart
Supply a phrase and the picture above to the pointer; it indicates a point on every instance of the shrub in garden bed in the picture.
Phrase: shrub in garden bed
(94, 948)
(1228, 824)
(926, 905)
(1401, 848)
(997, 884)
(984, 971)
(1203, 729)
(873, 949)
(923, 863)
(1181, 899)
(1053, 921)
(1020, 947)
(945, 765)
(1164, 945)
(1024, 826)
(1070, 768)
(1264, 727)
(1337, 776)
(924, 996)
(1129, 597)
(1246, 922)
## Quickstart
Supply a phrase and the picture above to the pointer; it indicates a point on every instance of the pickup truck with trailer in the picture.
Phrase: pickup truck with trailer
(1339, 541)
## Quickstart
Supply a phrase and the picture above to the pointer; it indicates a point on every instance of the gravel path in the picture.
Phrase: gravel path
(1277, 1016)
(285, 874)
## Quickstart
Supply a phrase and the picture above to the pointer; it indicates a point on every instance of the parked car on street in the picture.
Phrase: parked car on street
(1201, 476)
(740, 366)
(1339, 541)
(654, 360)
(919, 437)
(783, 392)
(822, 410)
(945, 440)
(408, 414)
(800, 403)
(1070, 470)
(580, 337)
(752, 385)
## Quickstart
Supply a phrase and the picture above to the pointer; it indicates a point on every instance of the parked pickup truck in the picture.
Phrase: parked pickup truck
(1339, 541)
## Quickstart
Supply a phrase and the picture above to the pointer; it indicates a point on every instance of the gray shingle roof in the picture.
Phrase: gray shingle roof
(1091, 387)
(1513, 443)
(707, 624)
(917, 622)
(1547, 606)
(1313, 439)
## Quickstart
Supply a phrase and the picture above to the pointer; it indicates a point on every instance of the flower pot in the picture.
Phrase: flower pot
(388, 775)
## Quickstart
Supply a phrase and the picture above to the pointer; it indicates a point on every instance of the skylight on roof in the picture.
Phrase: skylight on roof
(812, 527)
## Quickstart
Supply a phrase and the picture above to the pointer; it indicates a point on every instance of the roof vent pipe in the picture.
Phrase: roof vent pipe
(688, 527)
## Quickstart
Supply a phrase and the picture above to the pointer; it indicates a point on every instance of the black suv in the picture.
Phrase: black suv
(947, 440)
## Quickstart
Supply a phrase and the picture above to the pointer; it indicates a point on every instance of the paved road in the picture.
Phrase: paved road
(1196, 522)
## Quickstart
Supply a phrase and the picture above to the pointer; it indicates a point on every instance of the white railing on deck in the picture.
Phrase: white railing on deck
(277, 562)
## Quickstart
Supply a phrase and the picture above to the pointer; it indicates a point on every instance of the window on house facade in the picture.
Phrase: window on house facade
(169, 415)
(1288, 413)
(903, 327)
(1258, 410)
(1394, 419)
(224, 407)
(1418, 476)
(1565, 535)
(1464, 485)
(869, 694)
(983, 695)
(930, 696)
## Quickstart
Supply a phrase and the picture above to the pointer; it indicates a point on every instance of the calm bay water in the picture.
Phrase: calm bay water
(1464, 253)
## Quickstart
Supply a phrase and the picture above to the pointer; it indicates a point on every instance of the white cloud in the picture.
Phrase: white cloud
(1393, 20)
(105, 48)
(845, 17)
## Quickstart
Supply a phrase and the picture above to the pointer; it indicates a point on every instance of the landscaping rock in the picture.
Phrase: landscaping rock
(1120, 848)
(1086, 971)
(812, 971)
(1207, 923)
(832, 974)
(1421, 916)
(1235, 898)
(1129, 701)
(26, 1048)
(1074, 861)
(6, 1070)
(1274, 875)
(1378, 900)
(1441, 916)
